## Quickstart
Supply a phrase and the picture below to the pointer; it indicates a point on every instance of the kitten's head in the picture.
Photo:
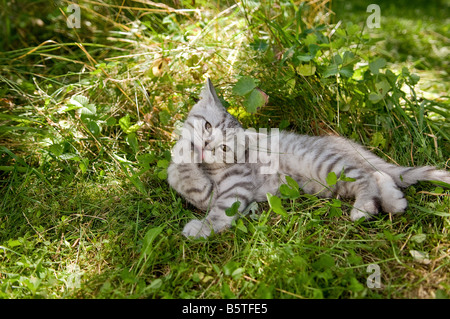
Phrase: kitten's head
(212, 130)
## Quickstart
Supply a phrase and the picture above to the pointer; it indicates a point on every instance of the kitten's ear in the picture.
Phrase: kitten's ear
(209, 93)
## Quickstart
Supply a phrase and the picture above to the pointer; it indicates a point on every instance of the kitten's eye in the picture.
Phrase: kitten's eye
(225, 148)
(208, 126)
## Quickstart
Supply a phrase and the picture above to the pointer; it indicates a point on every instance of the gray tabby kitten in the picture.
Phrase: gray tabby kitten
(214, 165)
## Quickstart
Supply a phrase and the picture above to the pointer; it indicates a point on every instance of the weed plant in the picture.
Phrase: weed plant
(87, 120)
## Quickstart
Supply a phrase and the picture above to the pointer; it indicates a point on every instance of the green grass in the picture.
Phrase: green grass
(86, 129)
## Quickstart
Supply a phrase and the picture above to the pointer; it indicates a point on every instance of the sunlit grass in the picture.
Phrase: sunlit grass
(86, 128)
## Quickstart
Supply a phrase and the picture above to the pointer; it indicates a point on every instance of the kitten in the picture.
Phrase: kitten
(216, 163)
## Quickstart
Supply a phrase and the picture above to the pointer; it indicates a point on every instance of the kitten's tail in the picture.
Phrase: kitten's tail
(406, 176)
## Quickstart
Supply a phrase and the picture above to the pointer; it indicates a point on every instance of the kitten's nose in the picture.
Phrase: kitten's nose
(206, 144)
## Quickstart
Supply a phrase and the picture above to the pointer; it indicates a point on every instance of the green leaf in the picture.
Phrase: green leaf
(163, 163)
(414, 79)
(244, 86)
(420, 256)
(324, 262)
(288, 192)
(121, 159)
(226, 291)
(81, 104)
(155, 284)
(229, 267)
(13, 243)
(346, 71)
(292, 183)
(259, 45)
(133, 128)
(89, 110)
(352, 28)
(441, 294)
(254, 101)
(337, 43)
(337, 59)
(306, 69)
(310, 39)
(93, 128)
(138, 183)
(331, 179)
(70, 156)
(56, 149)
(264, 291)
(344, 178)
(313, 49)
(391, 237)
(348, 58)
(405, 71)
(391, 76)
(275, 204)
(304, 57)
(132, 141)
(335, 212)
(331, 69)
(240, 225)
(375, 97)
(355, 285)
(419, 238)
(335, 203)
(376, 65)
(162, 174)
(378, 140)
(125, 122)
(79, 101)
(382, 87)
(237, 273)
(284, 124)
(28, 87)
(233, 210)
(84, 165)
(111, 121)
(147, 242)
(164, 117)
(291, 189)
(146, 159)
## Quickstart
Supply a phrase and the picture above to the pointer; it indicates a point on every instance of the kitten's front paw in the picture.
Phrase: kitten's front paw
(196, 228)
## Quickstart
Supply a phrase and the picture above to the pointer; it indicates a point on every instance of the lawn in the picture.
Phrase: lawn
(87, 115)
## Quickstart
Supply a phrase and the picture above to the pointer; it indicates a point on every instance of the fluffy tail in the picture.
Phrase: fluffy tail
(406, 176)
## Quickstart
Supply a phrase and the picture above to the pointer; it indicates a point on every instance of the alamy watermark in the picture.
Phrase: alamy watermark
(373, 20)
(235, 146)
(73, 280)
(374, 279)
(74, 20)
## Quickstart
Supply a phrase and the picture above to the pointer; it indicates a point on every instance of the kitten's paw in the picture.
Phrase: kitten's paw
(393, 201)
(356, 214)
(395, 205)
(196, 228)
(392, 198)
(366, 210)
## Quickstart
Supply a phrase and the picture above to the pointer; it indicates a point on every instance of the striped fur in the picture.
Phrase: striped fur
(200, 173)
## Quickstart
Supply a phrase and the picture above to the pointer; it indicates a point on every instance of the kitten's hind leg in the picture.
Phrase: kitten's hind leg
(392, 198)
(365, 207)
(367, 199)
(377, 192)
